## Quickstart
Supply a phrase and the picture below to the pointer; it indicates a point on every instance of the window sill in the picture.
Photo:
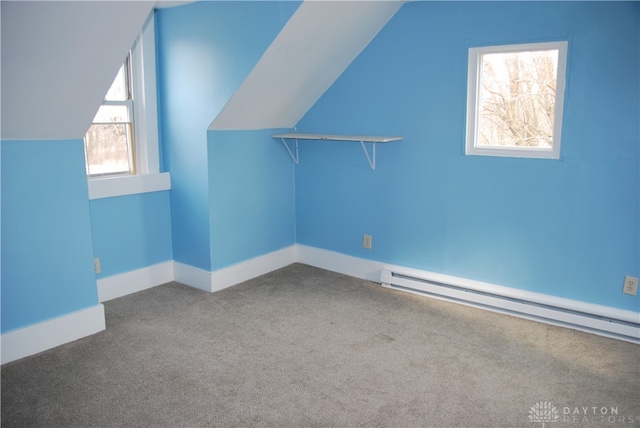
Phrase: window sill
(530, 153)
(128, 185)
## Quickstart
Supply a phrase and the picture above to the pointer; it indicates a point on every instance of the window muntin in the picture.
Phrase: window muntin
(515, 99)
(109, 145)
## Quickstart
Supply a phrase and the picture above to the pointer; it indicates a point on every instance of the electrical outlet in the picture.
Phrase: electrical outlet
(96, 264)
(630, 285)
(366, 241)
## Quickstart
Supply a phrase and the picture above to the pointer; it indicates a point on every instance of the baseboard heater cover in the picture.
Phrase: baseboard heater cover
(624, 325)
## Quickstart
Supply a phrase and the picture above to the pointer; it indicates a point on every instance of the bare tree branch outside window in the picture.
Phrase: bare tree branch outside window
(517, 100)
(107, 148)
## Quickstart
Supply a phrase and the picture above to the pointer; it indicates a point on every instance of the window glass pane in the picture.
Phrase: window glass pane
(517, 99)
(112, 114)
(118, 90)
(109, 145)
(108, 149)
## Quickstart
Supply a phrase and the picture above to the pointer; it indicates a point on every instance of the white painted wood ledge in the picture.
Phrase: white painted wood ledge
(107, 187)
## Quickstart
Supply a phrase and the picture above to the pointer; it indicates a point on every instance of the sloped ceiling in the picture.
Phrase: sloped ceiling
(58, 61)
(318, 43)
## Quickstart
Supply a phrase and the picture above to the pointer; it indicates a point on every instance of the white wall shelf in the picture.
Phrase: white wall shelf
(362, 139)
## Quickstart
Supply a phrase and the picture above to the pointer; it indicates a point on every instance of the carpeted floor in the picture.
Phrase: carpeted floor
(305, 347)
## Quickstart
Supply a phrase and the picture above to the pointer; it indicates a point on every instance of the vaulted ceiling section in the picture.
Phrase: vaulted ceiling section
(60, 57)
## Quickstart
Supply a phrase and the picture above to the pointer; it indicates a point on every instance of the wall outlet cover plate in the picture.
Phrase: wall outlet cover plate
(630, 285)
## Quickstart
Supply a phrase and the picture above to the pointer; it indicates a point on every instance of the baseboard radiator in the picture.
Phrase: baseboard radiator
(602, 320)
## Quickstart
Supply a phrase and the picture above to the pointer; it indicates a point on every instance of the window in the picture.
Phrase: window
(515, 99)
(134, 121)
(109, 147)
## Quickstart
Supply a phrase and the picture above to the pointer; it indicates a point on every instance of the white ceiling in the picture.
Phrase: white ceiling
(58, 60)
(162, 4)
(318, 43)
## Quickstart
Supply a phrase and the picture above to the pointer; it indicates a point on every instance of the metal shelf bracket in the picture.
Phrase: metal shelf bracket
(296, 157)
(372, 158)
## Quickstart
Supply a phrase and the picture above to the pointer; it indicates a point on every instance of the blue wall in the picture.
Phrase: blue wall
(205, 51)
(251, 180)
(567, 228)
(131, 232)
(47, 254)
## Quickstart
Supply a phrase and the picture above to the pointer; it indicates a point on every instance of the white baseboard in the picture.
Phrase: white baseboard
(141, 279)
(235, 274)
(373, 271)
(192, 276)
(126, 283)
(341, 263)
(48, 334)
(252, 268)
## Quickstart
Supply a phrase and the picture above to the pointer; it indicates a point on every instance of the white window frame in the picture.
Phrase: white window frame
(473, 101)
(130, 123)
(145, 115)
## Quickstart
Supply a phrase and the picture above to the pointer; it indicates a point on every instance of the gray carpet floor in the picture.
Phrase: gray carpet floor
(306, 347)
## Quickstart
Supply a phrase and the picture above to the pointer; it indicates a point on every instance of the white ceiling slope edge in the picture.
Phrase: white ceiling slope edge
(162, 4)
(317, 44)
(58, 61)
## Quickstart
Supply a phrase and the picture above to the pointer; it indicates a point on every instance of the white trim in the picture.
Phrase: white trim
(123, 284)
(143, 70)
(48, 334)
(249, 269)
(37, 338)
(338, 262)
(107, 187)
(474, 78)
(192, 276)
(555, 311)
(235, 274)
